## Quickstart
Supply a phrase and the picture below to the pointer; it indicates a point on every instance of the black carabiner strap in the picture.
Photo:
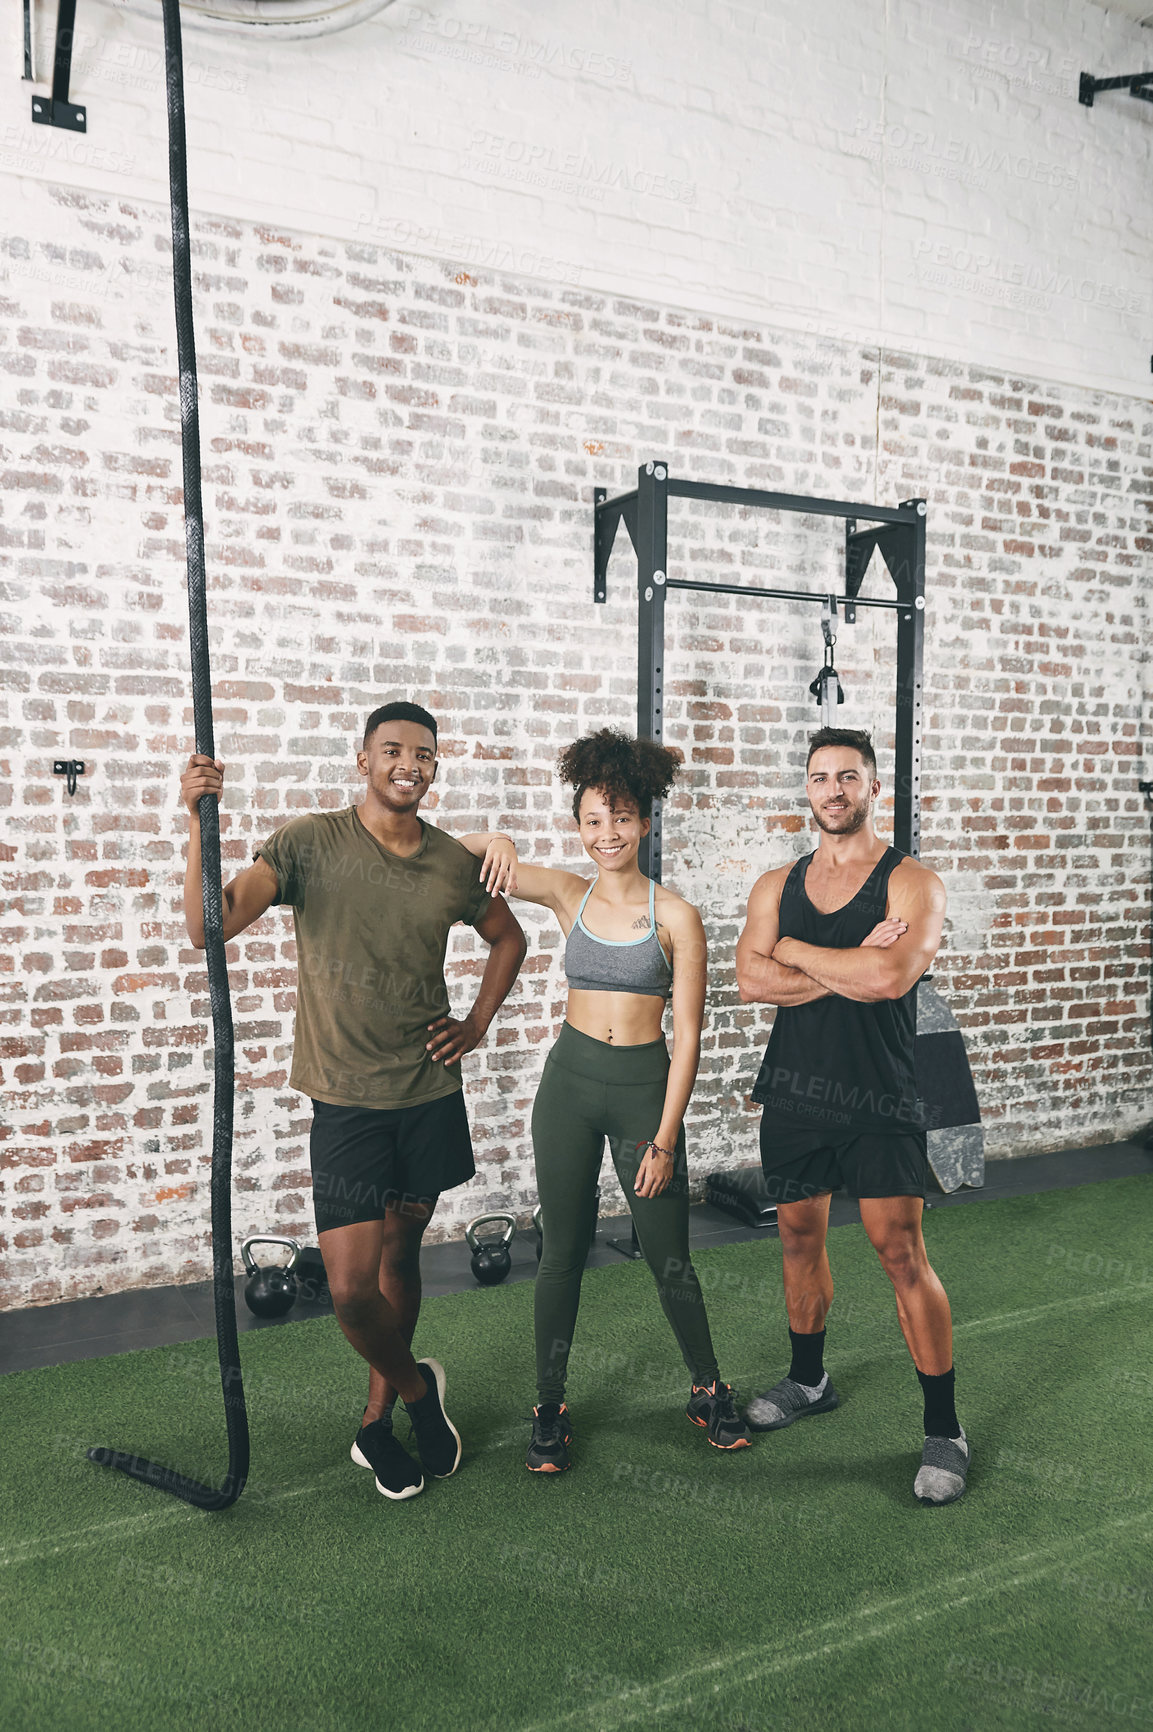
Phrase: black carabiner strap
(223, 1288)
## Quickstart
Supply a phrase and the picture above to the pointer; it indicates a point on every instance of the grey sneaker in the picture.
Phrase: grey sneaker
(944, 1466)
(787, 1401)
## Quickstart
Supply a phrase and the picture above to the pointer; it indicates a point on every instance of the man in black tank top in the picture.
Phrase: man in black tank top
(838, 942)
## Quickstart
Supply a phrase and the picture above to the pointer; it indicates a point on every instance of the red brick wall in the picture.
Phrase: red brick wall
(399, 457)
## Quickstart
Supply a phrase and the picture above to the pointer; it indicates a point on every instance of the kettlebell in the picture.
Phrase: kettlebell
(269, 1292)
(491, 1258)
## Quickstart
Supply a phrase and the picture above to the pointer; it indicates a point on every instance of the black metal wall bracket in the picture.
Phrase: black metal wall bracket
(605, 525)
(70, 767)
(57, 110)
(1138, 84)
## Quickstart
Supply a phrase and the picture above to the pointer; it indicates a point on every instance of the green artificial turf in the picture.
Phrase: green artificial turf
(660, 1583)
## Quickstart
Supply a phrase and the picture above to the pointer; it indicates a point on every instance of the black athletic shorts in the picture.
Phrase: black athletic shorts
(366, 1160)
(799, 1164)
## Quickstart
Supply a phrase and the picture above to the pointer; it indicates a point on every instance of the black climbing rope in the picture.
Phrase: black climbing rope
(236, 1417)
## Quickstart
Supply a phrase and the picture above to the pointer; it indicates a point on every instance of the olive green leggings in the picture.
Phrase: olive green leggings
(589, 1091)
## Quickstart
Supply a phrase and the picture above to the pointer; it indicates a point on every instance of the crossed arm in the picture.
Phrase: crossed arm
(787, 971)
(761, 979)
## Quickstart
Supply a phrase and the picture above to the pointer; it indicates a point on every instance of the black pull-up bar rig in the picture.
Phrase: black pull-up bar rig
(897, 532)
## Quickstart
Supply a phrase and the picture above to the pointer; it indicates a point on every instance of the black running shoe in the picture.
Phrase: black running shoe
(437, 1439)
(397, 1475)
(714, 1405)
(551, 1436)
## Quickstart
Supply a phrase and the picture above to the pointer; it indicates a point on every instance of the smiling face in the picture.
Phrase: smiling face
(839, 790)
(611, 835)
(399, 764)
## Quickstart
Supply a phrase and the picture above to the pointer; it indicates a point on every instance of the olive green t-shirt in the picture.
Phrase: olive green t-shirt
(371, 933)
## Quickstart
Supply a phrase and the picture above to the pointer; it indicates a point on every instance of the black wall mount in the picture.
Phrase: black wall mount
(57, 110)
(897, 532)
(70, 767)
(1138, 84)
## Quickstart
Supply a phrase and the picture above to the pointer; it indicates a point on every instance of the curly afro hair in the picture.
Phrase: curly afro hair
(629, 772)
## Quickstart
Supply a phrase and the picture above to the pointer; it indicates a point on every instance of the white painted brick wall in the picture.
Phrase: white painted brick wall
(885, 172)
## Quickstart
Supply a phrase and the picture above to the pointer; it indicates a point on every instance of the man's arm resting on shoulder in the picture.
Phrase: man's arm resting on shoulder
(761, 978)
(507, 946)
(896, 953)
(250, 893)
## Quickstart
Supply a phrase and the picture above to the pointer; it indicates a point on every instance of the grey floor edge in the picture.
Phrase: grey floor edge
(164, 1316)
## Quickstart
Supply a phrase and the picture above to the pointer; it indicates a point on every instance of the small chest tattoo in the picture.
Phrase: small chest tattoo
(641, 925)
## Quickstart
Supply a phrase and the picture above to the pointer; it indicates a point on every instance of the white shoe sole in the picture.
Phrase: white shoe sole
(437, 1370)
(362, 1460)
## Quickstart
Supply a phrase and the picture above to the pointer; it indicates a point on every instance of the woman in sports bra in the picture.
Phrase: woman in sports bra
(630, 945)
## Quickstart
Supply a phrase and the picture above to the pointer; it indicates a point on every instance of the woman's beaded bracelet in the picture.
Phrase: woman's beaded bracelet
(656, 1148)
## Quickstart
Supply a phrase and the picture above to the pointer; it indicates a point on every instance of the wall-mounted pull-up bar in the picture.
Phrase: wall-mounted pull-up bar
(897, 532)
(847, 601)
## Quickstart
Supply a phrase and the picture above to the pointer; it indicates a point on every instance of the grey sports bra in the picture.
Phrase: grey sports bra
(595, 964)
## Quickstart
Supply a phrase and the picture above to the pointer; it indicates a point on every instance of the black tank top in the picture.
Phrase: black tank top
(837, 1064)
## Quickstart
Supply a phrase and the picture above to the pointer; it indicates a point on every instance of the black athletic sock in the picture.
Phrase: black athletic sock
(808, 1365)
(940, 1412)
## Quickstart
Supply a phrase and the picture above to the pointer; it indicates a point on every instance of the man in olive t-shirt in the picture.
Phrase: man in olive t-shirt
(374, 891)
(371, 933)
